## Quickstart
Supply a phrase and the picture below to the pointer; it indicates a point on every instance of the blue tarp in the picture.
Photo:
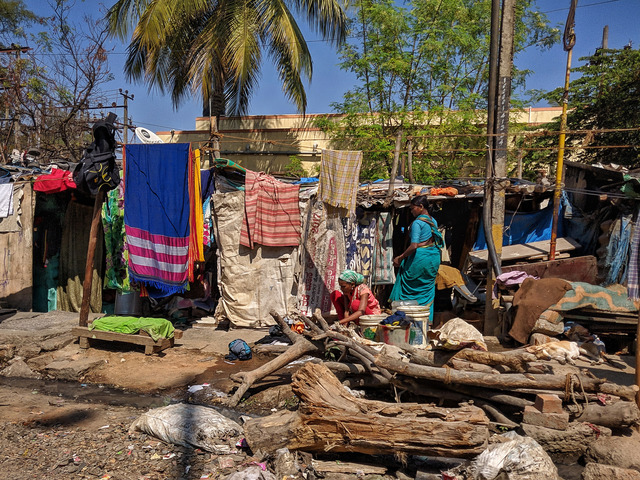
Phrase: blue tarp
(522, 228)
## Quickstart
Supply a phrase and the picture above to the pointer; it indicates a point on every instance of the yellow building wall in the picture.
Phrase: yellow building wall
(266, 142)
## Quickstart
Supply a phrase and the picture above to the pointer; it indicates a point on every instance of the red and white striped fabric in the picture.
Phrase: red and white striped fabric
(155, 256)
(272, 212)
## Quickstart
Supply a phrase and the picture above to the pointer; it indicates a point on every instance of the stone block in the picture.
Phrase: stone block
(556, 421)
(596, 471)
(548, 403)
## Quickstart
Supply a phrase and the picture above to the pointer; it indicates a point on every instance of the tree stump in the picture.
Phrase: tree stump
(331, 419)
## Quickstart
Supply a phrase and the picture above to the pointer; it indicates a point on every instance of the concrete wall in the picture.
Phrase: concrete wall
(266, 142)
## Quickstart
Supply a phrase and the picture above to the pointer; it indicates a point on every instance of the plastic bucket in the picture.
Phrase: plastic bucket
(419, 316)
(128, 303)
(369, 324)
(390, 335)
(398, 304)
(371, 320)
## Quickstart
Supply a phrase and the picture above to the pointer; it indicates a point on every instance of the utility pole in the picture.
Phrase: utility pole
(501, 65)
(125, 135)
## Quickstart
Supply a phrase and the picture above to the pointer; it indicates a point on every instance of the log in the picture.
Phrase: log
(270, 349)
(323, 466)
(300, 348)
(506, 381)
(516, 360)
(492, 396)
(612, 415)
(329, 418)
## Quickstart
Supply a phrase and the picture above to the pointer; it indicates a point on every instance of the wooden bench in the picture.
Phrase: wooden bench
(150, 345)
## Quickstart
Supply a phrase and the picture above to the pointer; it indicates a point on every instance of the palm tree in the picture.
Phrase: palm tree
(215, 47)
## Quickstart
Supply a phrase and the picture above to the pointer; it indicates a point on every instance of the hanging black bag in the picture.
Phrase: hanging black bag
(98, 170)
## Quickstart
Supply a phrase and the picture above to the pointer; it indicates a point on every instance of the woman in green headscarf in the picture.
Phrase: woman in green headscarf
(355, 298)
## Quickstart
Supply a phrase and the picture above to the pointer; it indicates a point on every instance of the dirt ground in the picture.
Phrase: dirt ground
(65, 423)
(62, 421)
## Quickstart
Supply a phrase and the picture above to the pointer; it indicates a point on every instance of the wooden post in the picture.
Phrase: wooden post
(394, 170)
(91, 250)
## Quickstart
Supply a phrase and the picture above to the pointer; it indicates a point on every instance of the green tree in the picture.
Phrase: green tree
(215, 49)
(603, 116)
(422, 71)
(14, 18)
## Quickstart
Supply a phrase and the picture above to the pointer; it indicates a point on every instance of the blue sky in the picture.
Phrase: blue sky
(155, 111)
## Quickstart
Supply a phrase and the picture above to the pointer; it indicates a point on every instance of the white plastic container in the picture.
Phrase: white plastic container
(370, 322)
(398, 304)
(419, 316)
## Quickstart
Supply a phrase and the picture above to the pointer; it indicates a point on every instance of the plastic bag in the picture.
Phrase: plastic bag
(190, 425)
(520, 458)
(252, 473)
(456, 334)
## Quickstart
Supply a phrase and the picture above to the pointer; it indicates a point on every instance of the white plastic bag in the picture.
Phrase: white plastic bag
(252, 473)
(456, 334)
(521, 458)
(190, 425)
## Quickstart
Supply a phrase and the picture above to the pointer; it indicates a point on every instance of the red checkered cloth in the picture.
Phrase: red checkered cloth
(272, 213)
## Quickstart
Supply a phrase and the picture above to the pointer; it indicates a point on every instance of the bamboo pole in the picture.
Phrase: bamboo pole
(560, 167)
(568, 40)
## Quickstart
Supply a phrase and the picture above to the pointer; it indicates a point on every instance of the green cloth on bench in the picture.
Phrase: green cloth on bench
(157, 328)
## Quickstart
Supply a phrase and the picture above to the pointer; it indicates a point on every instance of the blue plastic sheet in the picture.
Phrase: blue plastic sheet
(522, 228)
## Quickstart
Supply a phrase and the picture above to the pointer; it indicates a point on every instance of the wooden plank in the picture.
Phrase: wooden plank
(524, 251)
(574, 269)
(151, 346)
(16, 272)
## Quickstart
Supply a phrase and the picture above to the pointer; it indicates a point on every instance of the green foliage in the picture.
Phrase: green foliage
(216, 48)
(422, 70)
(604, 96)
(295, 167)
(14, 18)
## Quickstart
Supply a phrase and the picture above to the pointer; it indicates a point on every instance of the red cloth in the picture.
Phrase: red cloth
(57, 181)
(338, 300)
(272, 213)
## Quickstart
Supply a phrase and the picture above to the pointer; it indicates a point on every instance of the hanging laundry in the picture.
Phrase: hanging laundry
(196, 251)
(339, 178)
(272, 212)
(116, 275)
(633, 275)
(57, 180)
(6, 200)
(157, 215)
(360, 241)
(384, 272)
(13, 222)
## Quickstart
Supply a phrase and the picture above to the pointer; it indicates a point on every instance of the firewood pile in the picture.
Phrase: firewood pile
(459, 396)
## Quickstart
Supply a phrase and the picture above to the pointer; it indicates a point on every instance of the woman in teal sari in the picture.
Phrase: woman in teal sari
(419, 263)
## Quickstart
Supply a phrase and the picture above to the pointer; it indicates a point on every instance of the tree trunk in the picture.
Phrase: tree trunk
(505, 381)
(300, 348)
(516, 361)
(331, 419)
(613, 415)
